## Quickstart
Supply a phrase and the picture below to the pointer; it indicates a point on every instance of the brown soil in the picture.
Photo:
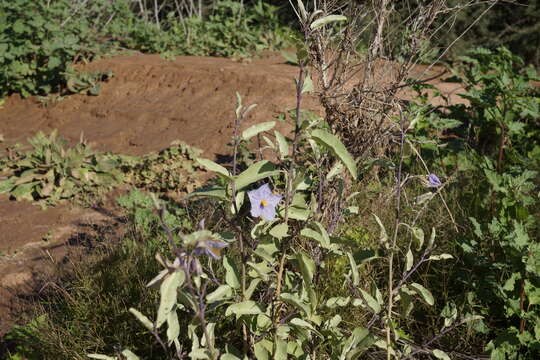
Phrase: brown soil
(147, 104)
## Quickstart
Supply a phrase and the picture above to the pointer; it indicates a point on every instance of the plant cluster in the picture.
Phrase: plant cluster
(52, 172)
(264, 299)
(41, 41)
(495, 138)
(230, 29)
(171, 170)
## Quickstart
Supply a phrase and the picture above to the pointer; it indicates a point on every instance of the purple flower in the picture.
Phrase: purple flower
(434, 181)
(210, 248)
(263, 202)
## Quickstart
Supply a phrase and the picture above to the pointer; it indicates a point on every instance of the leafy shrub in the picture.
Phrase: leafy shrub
(492, 149)
(50, 172)
(172, 169)
(231, 29)
(38, 42)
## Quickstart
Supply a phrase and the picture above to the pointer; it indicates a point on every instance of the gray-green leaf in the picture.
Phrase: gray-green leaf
(327, 20)
(337, 148)
(257, 129)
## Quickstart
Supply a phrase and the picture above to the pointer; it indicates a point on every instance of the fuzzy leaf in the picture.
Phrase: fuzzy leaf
(371, 301)
(129, 355)
(425, 293)
(337, 148)
(214, 167)
(244, 308)
(327, 20)
(282, 144)
(101, 357)
(409, 260)
(231, 273)
(221, 293)
(168, 292)
(439, 354)
(255, 172)
(142, 318)
(257, 129)
(279, 231)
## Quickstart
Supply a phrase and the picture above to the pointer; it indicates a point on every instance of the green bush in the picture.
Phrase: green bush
(231, 29)
(40, 40)
(492, 151)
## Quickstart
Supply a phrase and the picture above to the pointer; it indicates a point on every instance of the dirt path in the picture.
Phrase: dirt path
(147, 104)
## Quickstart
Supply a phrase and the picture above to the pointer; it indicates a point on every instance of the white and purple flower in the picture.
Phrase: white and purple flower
(434, 181)
(264, 202)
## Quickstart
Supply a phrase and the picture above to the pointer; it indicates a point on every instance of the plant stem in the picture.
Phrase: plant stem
(394, 241)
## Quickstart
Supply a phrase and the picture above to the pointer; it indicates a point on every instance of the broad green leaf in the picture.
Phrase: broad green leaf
(371, 301)
(308, 85)
(279, 231)
(257, 129)
(229, 356)
(419, 235)
(425, 293)
(244, 308)
(251, 288)
(307, 266)
(384, 235)
(231, 273)
(199, 354)
(24, 191)
(260, 351)
(168, 293)
(358, 335)
(335, 170)
(282, 144)
(214, 167)
(215, 192)
(337, 148)
(409, 260)
(338, 302)
(354, 269)
(431, 240)
(439, 354)
(129, 355)
(302, 10)
(281, 350)
(255, 172)
(221, 293)
(441, 257)
(173, 327)
(294, 300)
(327, 20)
(142, 318)
(101, 357)
(6, 186)
(322, 236)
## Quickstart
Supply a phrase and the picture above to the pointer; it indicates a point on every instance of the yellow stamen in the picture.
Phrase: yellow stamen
(264, 203)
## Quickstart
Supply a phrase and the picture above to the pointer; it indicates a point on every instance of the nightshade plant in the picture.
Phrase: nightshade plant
(262, 295)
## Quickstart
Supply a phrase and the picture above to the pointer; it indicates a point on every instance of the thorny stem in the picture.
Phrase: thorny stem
(289, 191)
(394, 239)
(236, 140)
(297, 128)
(199, 293)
